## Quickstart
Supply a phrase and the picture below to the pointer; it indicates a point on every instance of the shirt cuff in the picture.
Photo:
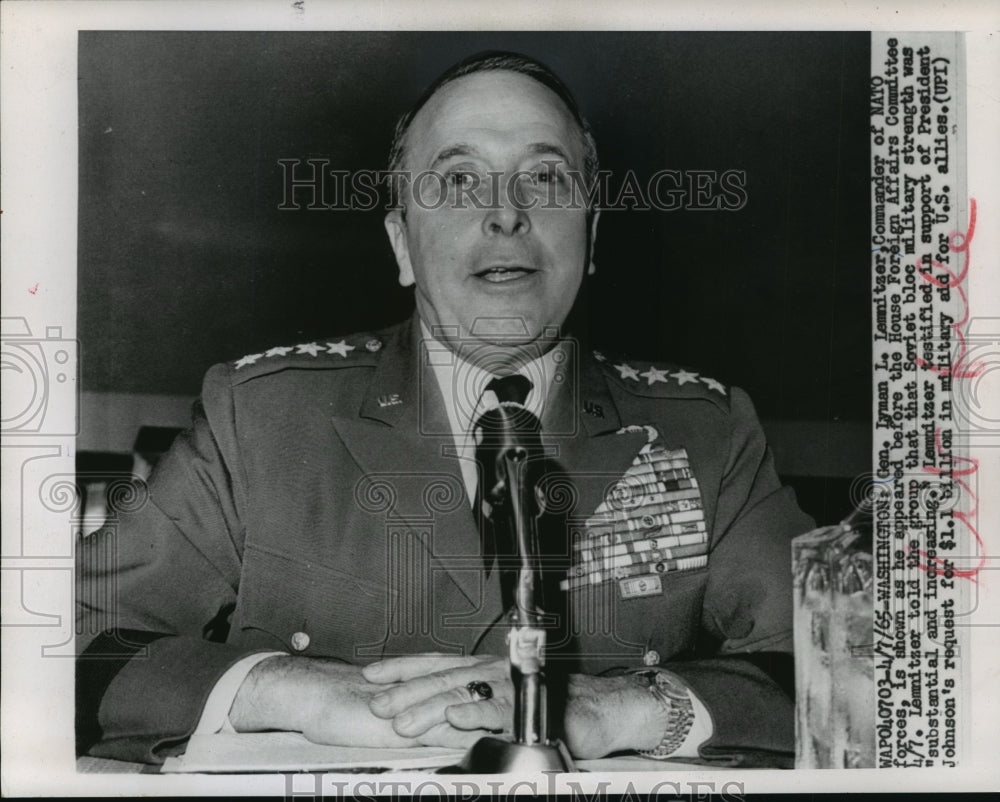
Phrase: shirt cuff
(215, 714)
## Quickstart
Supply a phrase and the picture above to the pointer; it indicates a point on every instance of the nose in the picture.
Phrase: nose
(509, 215)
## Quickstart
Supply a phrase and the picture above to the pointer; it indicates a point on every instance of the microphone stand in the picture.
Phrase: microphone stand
(531, 750)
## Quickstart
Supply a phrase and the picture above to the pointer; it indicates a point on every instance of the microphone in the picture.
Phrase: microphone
(508, 430)
(526, 637)
(518, 502)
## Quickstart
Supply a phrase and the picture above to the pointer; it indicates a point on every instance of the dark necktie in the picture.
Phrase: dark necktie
(496, 430)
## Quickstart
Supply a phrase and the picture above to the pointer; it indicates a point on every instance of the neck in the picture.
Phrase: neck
(495, 355)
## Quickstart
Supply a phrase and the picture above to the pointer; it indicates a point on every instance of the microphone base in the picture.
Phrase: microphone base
(491, 755)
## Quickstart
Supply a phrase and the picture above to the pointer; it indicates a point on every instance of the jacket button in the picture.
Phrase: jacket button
(650, 658)
(300, 641)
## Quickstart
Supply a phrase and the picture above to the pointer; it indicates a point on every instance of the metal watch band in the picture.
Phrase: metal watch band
(676, 701)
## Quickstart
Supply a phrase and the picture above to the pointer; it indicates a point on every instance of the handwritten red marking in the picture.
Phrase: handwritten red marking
(33, 290)
(966, 237)
(963, 573)
(957, 243)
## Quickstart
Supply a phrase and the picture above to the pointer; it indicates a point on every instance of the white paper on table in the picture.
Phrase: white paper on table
(290, 751)
(226, 753)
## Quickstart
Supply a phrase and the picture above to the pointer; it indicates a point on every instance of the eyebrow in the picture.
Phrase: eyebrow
(536, 148)
(541, 148)
(451, 151)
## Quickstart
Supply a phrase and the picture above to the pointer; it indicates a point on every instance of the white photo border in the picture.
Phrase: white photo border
(38, 138)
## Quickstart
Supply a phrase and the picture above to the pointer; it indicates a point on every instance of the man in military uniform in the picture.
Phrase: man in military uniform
(310, 556)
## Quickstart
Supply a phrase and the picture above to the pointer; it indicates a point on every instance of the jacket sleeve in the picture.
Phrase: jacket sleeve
(743, 671)
(155, 589)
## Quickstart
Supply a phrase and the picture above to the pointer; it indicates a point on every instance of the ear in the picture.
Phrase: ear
(395, 227)
(592, 268)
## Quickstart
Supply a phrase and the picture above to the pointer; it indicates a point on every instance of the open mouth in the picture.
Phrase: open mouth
(498, 275)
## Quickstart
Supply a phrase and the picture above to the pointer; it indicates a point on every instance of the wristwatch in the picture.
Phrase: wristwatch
(676, 700)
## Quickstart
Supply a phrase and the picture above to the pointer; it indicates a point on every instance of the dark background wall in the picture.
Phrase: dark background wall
(185, 259)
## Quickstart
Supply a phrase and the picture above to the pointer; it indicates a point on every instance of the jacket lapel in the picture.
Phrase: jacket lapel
(581, 425)
(401, 439)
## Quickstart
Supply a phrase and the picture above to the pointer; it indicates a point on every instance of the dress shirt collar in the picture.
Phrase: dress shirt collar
(463, 383)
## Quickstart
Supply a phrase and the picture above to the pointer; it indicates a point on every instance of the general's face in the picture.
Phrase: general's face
(505, 273)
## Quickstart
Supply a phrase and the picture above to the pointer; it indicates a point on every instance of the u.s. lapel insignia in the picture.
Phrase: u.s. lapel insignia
(390, 400)
(650, 524)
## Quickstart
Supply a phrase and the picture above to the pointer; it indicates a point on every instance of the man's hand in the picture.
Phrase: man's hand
(603, 714)
(610, 714)
(328, 702)
(429, 690)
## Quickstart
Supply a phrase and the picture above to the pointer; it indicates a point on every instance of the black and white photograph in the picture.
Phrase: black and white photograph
(470, 401)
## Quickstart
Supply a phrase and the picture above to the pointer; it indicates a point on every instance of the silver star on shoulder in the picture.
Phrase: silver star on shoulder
(308, 348)
(278, 350)
(249, 359)
(627, 372)
(683, 376)
(714, 385)
(654, 375)
(340, 348)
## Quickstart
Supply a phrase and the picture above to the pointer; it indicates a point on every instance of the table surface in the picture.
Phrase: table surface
(100, 765)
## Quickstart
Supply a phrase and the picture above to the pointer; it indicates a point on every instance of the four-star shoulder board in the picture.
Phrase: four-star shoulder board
(646, 375)
(335, 350)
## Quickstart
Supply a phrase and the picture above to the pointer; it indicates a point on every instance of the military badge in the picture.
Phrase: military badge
(650, 524)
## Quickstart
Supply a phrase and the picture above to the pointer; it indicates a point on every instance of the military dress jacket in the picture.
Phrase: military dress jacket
(316, 506)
